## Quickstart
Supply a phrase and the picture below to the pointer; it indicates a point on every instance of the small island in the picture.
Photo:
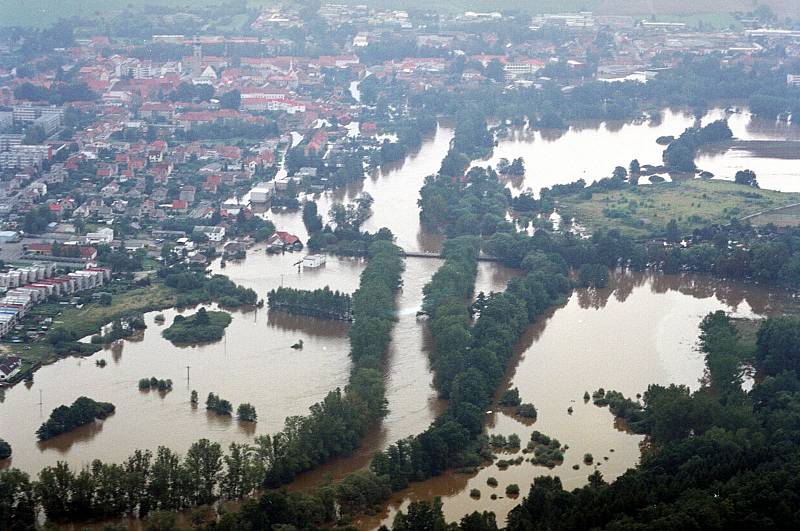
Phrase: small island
(201, 327)
(66, 418)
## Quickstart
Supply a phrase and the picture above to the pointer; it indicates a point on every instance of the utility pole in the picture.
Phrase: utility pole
(187, 372)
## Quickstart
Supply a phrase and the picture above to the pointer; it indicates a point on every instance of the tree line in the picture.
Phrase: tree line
(323, 303)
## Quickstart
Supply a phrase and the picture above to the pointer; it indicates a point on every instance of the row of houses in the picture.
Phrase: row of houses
(18, 300)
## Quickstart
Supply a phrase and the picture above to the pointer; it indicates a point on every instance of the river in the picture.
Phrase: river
(593, 340)
(642, 329)
(254, 362)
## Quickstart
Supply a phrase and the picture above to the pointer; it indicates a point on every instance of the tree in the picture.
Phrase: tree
(5, 449)
(747, 178)
(517, 167)
(634, 170)
(778, 345)
(241, 474)
(311, 219)
(495, 71)
(17, 500)
(619, 173)
(231, 100)
(421, 516)
(34, 135)
(246, 412)
(673, 233)
(203, 464)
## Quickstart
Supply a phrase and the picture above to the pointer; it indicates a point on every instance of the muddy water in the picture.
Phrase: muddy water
(253, 363)
(395, 189)
(586, 151)
(641, 330)
(591, 150)
(774, 172)
(413, 402)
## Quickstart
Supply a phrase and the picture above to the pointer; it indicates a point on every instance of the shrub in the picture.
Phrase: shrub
(510, 398)
(512, 491)
(526, 410)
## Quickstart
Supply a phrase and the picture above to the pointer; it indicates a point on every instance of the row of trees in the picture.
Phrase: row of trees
(336, 425)
(323, 303)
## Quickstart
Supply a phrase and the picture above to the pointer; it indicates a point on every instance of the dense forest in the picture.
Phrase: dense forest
(323, 303)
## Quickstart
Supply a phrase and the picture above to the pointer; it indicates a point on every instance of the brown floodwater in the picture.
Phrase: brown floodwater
(395, 189)
(593, 340)
(641, 330)
(591, 150)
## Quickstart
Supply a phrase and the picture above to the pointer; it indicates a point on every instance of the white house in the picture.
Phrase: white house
(104, 235)
(214, 234)
(314, 260)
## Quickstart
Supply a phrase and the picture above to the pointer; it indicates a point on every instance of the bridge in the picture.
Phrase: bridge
(438, 256)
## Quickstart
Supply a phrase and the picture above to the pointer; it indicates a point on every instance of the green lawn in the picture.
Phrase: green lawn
(647, 209)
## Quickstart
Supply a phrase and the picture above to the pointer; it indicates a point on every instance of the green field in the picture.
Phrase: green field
(644, 210)
(712, 12)
(89, 319)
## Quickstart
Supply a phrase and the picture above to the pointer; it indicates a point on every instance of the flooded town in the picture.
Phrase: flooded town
(329, 266)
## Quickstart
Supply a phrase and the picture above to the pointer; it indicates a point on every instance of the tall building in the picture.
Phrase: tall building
(197, 60)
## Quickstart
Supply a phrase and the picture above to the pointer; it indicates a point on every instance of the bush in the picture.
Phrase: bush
(512, 491)
(246, 412)
(475, 493)
(510, 398)
(588, 458)
(492, 482)
(527, 411)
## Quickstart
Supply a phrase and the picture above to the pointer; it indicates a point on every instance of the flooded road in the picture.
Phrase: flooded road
(641, 330)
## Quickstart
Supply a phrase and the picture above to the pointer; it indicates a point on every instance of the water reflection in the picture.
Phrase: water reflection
(307, 325)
